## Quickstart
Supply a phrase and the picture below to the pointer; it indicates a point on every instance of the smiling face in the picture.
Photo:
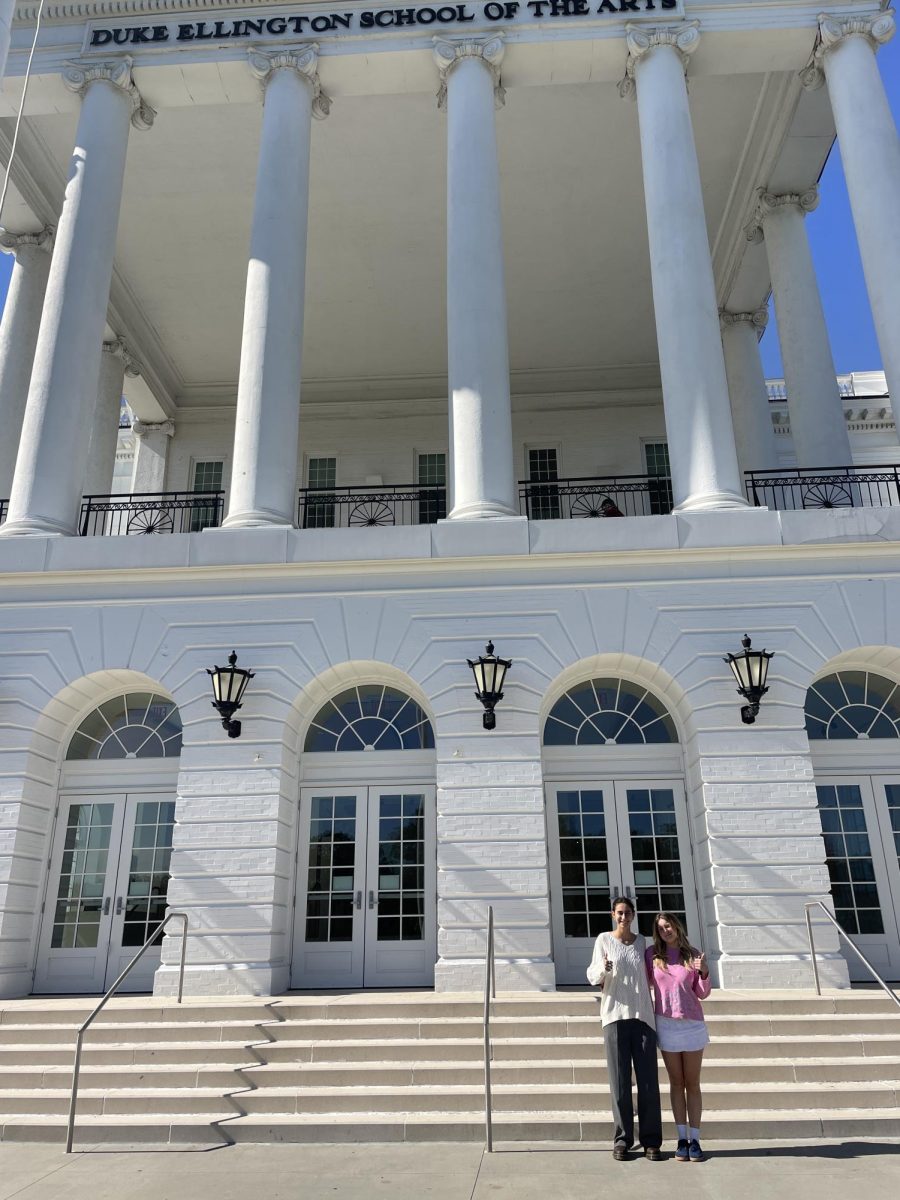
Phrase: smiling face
(667, 931)
(623, 915)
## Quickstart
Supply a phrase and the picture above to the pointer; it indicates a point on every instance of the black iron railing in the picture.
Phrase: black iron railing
(150, 512)
(611, 496)
(357, 507)
(4, 506)
(824, 487)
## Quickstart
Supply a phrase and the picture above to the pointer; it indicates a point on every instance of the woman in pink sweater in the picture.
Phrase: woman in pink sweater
(679, 977)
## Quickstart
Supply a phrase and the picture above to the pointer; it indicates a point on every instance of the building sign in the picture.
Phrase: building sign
(355, 21)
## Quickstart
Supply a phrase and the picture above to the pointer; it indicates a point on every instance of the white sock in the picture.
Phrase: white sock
(695, 1134)
(682, 1132)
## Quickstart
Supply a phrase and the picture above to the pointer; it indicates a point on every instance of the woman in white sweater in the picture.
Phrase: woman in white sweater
(629, 1031)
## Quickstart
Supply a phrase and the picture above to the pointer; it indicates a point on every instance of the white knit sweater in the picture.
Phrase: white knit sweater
(626, 992)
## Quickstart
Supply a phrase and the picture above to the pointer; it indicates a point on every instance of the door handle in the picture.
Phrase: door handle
(359, 899)
(106, 906)
(371, 899)
(118, 905)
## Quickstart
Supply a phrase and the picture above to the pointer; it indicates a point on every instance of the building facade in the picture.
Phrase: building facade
(401, 299)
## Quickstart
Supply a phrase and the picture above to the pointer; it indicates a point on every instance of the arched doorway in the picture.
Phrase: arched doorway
(617, 819)
(853, 725)
(111, 846)
(366, 891)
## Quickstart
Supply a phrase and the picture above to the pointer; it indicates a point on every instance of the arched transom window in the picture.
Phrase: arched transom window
(137, 725)
(852, 704)
(608, 712)
(370, 717)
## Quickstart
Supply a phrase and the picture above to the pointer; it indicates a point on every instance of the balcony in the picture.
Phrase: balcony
(784, 490)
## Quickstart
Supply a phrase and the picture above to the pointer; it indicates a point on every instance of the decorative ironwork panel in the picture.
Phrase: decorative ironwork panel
(359, 507)
(156, 512)
(612, 496)
(827, 487)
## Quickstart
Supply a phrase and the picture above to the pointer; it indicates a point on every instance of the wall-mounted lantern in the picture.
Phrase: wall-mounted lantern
(489, 672)
(750, 669)
(229, 684)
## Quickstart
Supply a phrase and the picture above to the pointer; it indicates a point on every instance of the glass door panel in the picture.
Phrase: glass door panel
(141, 888)
(584, 871)
(74, 942)
(401, 916)
(329, 922)
(859, 873)
(656, 852)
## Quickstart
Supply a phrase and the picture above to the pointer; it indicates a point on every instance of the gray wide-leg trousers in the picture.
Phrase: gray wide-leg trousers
(627, 1043)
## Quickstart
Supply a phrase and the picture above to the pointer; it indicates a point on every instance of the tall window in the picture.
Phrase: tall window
(853, 704)
(319, 510)
(604, 712)
(431, 472)
(543, 467)
(207, 478)
(656, 458)
(370, 717)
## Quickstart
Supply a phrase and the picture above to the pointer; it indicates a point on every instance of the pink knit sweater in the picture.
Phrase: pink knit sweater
(678, 990)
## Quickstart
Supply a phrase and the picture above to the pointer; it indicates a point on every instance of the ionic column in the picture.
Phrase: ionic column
(18, 338)
(266, 435)
(695, 392)
(57, 428)
(844, 57)
(115, 364)
(753, 433)
(151, 449)
(482, 475)
(814, 403)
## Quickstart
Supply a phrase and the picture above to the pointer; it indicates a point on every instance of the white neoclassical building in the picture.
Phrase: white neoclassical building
(401, 298)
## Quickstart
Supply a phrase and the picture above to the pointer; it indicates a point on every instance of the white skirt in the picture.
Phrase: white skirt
(677, 1034)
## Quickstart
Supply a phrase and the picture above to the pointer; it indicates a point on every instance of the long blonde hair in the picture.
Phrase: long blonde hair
(661, 949)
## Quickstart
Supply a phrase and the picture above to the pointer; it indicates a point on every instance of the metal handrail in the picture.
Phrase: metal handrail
(82, 1028)
(856, 950)
(490, 993)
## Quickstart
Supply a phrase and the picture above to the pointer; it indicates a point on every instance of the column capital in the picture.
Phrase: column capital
(142, 429)
(767, 203)
(684, 38)
(119, 349)
(303, 58)
(11, 243)
(449, 51)
(876, 28)
(81, 73)
(758, 319)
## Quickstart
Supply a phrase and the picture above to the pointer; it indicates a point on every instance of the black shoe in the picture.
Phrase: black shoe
(620, 1152)
(653, 1153)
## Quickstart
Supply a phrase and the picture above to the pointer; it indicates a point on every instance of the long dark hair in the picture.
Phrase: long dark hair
(686, 951)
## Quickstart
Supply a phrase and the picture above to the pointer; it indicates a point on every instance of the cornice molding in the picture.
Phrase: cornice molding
(876, 28)
(684, 38)
(450, 51)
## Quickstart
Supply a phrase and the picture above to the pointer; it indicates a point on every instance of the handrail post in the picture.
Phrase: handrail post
(489, 990)
(83, 1027)
(812, 949)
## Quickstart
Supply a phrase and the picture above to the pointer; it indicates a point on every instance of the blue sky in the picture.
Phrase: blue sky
(834, 251)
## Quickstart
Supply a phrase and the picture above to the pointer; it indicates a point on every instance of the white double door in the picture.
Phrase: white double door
(366, 898)
(610, 838)
(106, 891)
(861, 826)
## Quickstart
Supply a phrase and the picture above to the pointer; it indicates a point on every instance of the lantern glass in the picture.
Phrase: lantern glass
(499, 675)
(478, 668)
(741, 668)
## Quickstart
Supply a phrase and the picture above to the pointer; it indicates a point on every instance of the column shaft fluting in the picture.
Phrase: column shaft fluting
(266, 437)
(18, 338)
(870, 152)
(482, 474)
(695, 391)
(818, 429)
(753, 431)
(56, 431)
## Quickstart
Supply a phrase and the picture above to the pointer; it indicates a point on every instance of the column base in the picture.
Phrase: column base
(36, 527)
(258, 518)
(709, 501)
(481, 510)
